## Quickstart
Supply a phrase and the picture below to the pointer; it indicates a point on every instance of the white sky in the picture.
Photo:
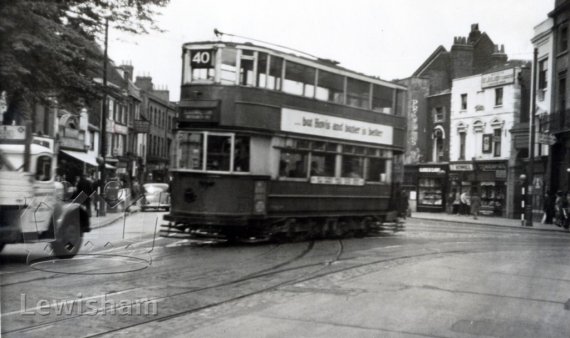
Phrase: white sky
(386, 38)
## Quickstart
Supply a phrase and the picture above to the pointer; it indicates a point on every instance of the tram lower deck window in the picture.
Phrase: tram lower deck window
(218, 153)
(376, 170)
(352, 166)
(293, 164)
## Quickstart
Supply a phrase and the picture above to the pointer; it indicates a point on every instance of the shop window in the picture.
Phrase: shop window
(376, 170)
(218, 153)
(352, 166)
(191, 151)
(241, 154)
(497, 142)
(543, 75)
(358, 93)
(299, 79)
(498, 96)
(43, 168)
(228, 68)
(487, 144)
(246, 76)
(293, 164)
(382, 99)
(330, 87)
(463, 101)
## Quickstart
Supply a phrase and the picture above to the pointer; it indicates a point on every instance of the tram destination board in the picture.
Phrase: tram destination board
(199, 115)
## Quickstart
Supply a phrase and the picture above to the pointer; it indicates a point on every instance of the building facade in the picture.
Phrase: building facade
(484, 109)
(428, 111)
(154, 144)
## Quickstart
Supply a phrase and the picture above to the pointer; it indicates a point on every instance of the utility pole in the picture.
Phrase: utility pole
(103, 140)
(530, 167)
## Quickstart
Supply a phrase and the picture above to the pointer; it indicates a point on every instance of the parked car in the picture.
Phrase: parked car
(156, 196)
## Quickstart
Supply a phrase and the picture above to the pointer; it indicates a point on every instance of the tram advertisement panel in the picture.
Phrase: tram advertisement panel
(303, 122)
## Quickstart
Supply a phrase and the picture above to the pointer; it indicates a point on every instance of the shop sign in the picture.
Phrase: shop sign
(304, 122)
(142, 126)
(501, 174)
(461, 167)
(431, 170)
(120, 129)
(12, 133)
(499, 78)
(544, 138)
(491, 166)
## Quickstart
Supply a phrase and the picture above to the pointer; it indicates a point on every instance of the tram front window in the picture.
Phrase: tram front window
(218, 153)
(241, 154)
(191, 147)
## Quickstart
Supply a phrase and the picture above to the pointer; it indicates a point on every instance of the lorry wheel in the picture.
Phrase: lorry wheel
(67, 242)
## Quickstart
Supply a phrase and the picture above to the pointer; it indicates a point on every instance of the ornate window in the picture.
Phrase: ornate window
(478, 126)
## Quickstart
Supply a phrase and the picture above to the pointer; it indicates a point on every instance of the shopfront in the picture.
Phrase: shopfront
(487, 177)
(431, 186)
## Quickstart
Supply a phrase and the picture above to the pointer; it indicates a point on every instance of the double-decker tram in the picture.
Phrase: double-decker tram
(273, 144)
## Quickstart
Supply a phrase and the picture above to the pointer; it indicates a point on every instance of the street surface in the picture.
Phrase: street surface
(425, 279)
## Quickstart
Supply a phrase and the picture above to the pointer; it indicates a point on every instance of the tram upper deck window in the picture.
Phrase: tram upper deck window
(262, 71)
(218, 153)
(246, 77)
(202, 64)
(330, 87)
(358, 93)
(299, 79)
(275, 73)
(191, 151)
(228, 71)
(382, 99)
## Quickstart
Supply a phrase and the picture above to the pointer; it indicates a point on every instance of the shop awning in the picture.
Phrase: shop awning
(86, 158)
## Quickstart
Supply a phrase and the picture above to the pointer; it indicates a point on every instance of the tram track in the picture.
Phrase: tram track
(298, 278)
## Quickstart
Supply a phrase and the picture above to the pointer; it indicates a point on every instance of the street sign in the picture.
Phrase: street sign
(543, 138)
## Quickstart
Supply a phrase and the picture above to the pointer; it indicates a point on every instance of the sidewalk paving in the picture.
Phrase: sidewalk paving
(485, 220)
(103, 221)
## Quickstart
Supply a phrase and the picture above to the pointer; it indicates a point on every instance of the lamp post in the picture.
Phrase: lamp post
(522, 179)
(530, 167)
(103, 140)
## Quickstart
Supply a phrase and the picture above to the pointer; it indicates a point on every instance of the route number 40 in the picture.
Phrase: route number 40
(201, 58)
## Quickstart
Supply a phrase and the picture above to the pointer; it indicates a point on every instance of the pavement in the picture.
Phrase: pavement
(485, 220)
(103, 221)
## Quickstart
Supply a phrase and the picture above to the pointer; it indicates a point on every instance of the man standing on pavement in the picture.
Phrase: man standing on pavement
(85, 186)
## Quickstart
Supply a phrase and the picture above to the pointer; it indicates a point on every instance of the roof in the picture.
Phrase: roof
(436, 53)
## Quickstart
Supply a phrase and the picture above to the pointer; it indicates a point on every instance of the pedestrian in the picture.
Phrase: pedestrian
(464, 198)
(547, 208)
(560, 204)
(450, 200)
(84, 186)
(456, 203)
(404, 205)
(475, 202)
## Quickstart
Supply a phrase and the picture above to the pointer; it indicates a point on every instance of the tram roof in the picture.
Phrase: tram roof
(321, 63)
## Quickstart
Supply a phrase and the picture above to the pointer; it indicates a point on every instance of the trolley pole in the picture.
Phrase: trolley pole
(530, 167)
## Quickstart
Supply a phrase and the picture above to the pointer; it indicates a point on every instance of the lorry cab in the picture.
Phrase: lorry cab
(32, 208)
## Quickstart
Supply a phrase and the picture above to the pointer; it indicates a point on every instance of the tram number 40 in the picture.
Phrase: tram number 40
(201, 59)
